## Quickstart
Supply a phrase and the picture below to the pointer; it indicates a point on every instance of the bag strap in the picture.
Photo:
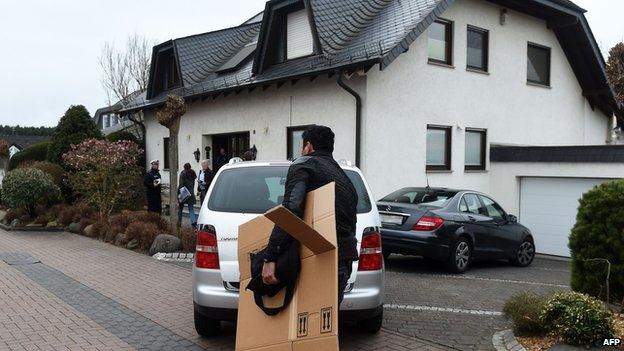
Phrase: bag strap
(272, 311)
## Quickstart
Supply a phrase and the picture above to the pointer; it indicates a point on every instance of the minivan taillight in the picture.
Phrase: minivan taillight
(371, 258)
(428, 223)
(206, 251)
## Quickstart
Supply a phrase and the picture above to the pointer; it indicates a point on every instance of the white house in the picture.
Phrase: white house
(456, 93)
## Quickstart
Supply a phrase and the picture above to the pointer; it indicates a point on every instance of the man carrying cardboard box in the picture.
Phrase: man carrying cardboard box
(314, 169)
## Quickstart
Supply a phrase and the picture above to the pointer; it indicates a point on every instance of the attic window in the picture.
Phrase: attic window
(172, 76)
(237, 60)
(299, 42)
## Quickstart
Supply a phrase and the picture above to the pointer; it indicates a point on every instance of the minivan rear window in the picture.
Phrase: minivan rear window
(257, 189)
(420, 196)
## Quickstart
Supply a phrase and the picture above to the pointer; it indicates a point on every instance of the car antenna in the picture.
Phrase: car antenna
(428, 188)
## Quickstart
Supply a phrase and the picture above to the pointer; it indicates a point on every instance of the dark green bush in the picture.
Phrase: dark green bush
(122, 135)
(37, 152)
(26, 188)
(578, 319)
(524, 310)
(74, 127)
(599, 233)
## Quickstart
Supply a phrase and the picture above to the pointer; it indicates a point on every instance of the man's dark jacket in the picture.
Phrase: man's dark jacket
(309, 173)
(153, 192)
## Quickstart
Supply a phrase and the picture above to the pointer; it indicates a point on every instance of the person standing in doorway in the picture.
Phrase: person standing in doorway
(186, 185)
(152, 181)
(203, 180)
(221, 160)
(314, 169)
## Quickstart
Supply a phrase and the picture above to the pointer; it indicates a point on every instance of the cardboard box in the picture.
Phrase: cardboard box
(310, 322)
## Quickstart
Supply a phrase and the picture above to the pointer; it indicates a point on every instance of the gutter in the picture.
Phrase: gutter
(358, 115)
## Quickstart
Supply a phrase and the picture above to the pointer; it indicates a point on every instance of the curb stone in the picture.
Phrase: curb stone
(174, 257)
(31, 229)
(506, 341)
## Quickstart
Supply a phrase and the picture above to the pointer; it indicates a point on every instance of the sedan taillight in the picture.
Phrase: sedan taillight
(428, 223)
(371, 258)
(206, 251)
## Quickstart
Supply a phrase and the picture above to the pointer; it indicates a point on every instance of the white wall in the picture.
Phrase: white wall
(410, 93)
(265, 115)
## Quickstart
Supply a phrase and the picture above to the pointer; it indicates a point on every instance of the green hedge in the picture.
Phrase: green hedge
(34, 153)
(122, 135)
(598, 234)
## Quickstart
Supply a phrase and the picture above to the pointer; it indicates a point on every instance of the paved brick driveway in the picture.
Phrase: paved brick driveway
(60, 291)
(460, 311)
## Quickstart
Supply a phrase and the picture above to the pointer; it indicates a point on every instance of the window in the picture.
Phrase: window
(294, 142)
(299, 41)
(106, 121)
(492, 208)
(478, 49)
(470, 203)
(538, 66)
(420, 196)
(173, 78)
(166, 153)
(438, 148)
(441, 42)
(257, 189)
(476, 144)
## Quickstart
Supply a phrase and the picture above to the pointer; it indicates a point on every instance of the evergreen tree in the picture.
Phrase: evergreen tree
(74, 127)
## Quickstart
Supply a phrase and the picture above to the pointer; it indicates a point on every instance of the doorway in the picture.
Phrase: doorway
(235, 145)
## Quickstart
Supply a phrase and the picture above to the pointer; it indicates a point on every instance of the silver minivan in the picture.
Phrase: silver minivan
(241, 191)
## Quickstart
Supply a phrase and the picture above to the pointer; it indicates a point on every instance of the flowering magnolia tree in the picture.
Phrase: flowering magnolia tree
(105, 172)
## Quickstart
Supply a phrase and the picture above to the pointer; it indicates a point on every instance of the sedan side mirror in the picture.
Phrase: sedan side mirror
(512, 219)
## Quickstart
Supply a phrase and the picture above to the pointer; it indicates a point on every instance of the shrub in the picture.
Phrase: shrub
(37, 152)
(66, 215)
(41, 219)
(27, 188)
(122, 135)
(54, 170)
(75, 213)
(143, 232)
(151, 217)
(577, 318)
(23, 220)
(106, 174)
(13, 214)
(523, 310)
(74, 127)
(188, 236)
(123, 219)
(598, 233)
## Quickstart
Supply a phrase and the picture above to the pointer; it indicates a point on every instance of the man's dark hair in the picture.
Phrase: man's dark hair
(321, 137)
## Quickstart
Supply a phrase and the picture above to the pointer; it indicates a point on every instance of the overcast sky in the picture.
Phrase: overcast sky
(51, 48)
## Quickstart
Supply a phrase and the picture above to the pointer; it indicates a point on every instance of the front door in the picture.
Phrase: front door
(234, 144)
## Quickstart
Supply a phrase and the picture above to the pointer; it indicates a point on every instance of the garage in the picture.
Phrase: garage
(548, 207)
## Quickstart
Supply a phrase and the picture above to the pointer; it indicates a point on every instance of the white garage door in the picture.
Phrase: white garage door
(548, 208)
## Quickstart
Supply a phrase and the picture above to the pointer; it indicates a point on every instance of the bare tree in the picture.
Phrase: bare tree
(126, 71)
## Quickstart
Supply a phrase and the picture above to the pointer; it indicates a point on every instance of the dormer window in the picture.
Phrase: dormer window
(172, 79)
(165, 72)
(299, 41)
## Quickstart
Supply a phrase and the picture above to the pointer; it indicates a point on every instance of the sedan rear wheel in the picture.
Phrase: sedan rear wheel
(460, 256)
(525, 254)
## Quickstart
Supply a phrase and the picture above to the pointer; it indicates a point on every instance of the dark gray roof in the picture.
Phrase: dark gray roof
(24, 141)
(357, 34)
(580, 154)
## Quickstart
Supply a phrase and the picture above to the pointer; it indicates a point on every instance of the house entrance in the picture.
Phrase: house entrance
(235, 145)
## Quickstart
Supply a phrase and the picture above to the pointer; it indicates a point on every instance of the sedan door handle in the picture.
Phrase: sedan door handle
(472, 219)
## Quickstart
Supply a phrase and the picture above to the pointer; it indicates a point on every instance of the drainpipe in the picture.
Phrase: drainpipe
(358, 115)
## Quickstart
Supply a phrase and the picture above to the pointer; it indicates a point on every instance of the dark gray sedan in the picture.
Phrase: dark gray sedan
(452, 226)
